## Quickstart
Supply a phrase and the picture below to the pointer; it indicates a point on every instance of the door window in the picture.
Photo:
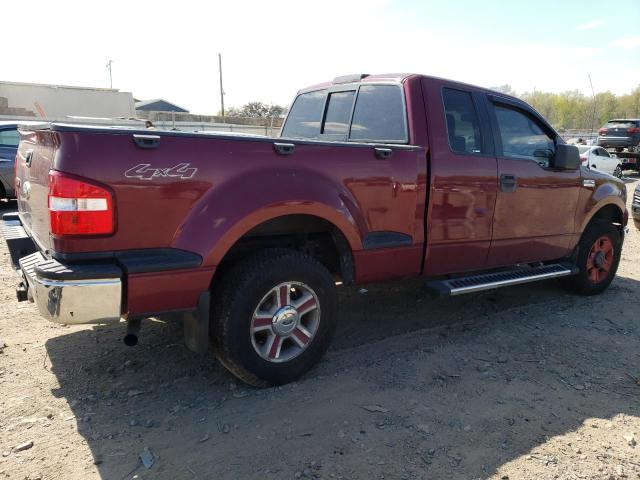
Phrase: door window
(463, 126)
(523, 137)
(9, 138)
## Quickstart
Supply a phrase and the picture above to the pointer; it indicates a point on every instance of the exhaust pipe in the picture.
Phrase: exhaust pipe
(133, 329)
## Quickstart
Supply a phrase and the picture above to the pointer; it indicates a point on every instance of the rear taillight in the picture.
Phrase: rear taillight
(633, 130)
(602, 130)
(77, 207)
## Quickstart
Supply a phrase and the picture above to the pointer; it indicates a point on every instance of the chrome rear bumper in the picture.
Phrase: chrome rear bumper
(69, 294)
(64, 299)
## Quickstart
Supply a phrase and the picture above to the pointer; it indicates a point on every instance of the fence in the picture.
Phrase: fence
(267, 130)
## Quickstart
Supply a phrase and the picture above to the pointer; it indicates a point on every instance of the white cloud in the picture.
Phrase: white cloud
(627, 43)
(590, 25)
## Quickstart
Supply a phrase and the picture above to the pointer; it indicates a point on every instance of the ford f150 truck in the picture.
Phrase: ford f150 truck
(373, 178)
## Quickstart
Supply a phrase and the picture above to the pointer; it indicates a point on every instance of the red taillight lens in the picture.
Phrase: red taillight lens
(602, 130)
(77, 207)
(633, 130)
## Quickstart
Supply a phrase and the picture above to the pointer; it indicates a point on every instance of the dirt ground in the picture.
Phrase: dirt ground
(519, 383)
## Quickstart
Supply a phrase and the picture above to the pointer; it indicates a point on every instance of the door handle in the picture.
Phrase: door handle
(508, 183)
(383, 153)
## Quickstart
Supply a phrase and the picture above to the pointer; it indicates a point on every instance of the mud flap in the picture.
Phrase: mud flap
(196, 325)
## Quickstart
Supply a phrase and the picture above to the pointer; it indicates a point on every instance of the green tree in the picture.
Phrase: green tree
(256, 110)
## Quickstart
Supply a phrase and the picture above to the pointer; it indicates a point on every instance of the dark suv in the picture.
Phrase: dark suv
(619, 134)
(9, 139)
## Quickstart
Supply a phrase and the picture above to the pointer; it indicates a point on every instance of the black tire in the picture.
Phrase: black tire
(583, 282)
(618, 172)
(241, 292)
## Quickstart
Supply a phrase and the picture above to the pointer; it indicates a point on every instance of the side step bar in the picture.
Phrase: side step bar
(487, 281)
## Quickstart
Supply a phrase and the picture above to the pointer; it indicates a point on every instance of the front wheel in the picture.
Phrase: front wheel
(618, 172)
(273, 317)
(597, 260)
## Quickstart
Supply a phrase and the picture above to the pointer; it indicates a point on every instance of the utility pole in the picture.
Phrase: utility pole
(110, 77)
(221, 89)
(593, 115)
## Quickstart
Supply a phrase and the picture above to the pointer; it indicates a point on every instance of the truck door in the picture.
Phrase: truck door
(536, 203)
(463, 176)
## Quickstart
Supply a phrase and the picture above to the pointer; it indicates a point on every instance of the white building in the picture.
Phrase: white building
(60, 101)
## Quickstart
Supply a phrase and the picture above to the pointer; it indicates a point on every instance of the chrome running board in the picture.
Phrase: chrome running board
(487, 281)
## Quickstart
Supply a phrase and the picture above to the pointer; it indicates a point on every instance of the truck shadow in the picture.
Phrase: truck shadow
(463, 387)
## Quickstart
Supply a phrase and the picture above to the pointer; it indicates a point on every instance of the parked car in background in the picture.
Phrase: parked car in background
(599, 159)
(9, 139)
(635, 206)
(620, 134)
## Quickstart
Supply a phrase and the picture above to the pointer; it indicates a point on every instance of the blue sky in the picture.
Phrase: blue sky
(271, 49)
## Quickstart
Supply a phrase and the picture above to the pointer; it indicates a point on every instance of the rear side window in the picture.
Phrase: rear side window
(9, 138)
(379, 114)
(305, 116)
(463, 126)
(338, 115)
(522, 136)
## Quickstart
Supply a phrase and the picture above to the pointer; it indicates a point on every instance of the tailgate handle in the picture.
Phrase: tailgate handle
(383, 153)
(146, 141)
(284, 148)
(28, 158)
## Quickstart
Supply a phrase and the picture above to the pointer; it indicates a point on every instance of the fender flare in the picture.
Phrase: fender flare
(602, 203)
(227, 212)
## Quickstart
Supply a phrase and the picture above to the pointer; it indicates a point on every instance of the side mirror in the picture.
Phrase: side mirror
(567, 157)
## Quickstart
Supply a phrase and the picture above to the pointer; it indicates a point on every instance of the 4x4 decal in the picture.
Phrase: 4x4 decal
(144, 171)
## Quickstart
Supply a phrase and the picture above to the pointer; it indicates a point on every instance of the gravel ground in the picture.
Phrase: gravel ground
(524, 382)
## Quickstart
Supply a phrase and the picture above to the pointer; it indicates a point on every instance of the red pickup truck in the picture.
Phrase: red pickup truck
(374, 177)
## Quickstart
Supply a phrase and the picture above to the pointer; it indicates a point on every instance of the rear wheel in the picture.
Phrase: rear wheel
(597, 260)
(273, 317)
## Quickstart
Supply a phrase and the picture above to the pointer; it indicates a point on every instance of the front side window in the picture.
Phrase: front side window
(463, 126)
(338, 115)
(379, 114)
(522, 136)
(9, 138)
(305, 116)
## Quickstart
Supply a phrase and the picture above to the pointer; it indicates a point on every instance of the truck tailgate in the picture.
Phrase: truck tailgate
(34, 160)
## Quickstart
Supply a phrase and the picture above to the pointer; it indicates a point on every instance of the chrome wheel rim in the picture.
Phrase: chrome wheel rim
(285, 322)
